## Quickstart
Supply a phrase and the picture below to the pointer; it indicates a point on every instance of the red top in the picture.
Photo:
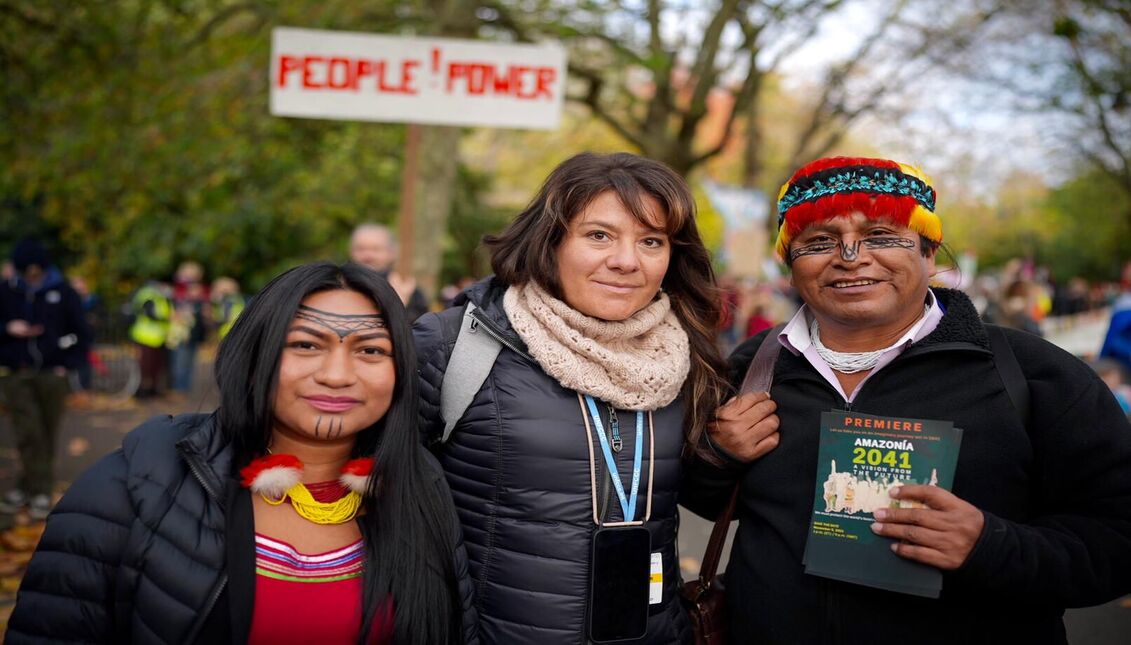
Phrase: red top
(302, 598)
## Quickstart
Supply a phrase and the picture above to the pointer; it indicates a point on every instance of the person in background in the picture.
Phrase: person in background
(1117, 340)
(188, 326)
(1019, 307)
(303, 510)
(227, 304)
(375, 246)
(1112, 374)
(1039, 518)
(43, 334)
(91, 306)
(151, 310)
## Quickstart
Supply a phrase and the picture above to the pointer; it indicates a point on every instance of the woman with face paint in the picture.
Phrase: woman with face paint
(302, 510)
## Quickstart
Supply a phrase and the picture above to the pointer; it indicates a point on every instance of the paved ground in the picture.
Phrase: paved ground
(92, 431)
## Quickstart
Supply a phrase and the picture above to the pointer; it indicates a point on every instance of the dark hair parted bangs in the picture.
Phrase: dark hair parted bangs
(407, 523)
(528, 250)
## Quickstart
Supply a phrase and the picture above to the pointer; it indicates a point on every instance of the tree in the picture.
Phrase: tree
(139, 133)
(648, 69)
(1069, 64)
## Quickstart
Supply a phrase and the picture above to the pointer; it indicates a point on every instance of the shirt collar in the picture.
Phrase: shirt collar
(795, 335)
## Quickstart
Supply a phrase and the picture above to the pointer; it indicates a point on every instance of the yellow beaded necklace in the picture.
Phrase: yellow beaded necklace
(337, 512)
(277, 478)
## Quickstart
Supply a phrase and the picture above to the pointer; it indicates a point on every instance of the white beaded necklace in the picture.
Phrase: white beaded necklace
(849, 362)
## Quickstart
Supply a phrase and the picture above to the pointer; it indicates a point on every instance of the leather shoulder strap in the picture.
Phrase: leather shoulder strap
(759, 378)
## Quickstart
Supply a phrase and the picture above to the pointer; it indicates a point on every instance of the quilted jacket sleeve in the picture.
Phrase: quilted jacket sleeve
(470, 617)
(67, 594)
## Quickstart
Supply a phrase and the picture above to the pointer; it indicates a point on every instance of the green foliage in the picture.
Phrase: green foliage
(464, 254)
(138, 135)
(1093, 214)
(1080, 228)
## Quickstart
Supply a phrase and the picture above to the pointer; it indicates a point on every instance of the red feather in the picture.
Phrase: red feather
(249, 472)
(840, 162)
(360, 467)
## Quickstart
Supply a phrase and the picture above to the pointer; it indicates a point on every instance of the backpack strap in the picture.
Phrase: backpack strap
(1009, 370)
(471, 361)
(760, 374)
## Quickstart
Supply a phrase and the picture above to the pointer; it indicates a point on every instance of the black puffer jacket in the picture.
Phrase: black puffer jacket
(145, 545)
(518, 465)
(1056, 497)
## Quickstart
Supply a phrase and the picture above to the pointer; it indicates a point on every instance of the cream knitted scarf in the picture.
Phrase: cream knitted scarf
(639, 363)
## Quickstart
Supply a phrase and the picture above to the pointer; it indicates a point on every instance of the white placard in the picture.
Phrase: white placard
(440, 81)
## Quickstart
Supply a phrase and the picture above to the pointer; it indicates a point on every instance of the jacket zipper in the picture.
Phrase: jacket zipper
(33, 342)
(606, 486)
(478, 321)
(214, 595)
(614, 427)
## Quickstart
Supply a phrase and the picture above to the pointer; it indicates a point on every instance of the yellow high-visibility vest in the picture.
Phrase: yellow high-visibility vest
(234, 312)
(147, 331)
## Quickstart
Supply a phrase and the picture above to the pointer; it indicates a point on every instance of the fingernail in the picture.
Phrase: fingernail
(877, 527)
(881, 513)
(894, 492)
(895, 547)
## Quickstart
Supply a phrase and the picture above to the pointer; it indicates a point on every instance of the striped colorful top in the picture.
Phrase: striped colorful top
(303, 598)
(281, 561)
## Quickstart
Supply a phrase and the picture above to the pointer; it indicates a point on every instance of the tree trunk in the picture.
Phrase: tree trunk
(435, 186)
(439, 161)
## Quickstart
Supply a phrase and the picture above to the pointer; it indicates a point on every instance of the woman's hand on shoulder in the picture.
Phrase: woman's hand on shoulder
(746, 426)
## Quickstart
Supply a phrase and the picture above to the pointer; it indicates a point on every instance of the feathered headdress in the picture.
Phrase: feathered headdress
(878, 188)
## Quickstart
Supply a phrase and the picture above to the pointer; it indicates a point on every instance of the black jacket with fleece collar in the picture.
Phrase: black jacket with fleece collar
(1056, 497)
(155, 544)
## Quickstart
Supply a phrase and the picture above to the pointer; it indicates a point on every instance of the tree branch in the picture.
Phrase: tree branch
(223, 16)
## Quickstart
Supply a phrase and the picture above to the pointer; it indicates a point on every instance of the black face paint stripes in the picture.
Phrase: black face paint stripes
(341, 324)
(851, 252)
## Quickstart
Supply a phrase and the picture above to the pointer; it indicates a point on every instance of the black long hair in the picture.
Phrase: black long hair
(407, 524)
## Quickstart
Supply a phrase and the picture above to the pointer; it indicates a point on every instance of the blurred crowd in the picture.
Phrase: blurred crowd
(166, 322)
(1020, 294)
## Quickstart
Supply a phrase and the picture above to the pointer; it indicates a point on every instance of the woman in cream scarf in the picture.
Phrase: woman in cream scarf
(605, 304)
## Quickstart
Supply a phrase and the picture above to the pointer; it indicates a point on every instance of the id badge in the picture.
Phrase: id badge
(619, 583)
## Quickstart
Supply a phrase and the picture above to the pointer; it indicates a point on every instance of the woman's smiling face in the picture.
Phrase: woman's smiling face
(611, 265)
(336, 372)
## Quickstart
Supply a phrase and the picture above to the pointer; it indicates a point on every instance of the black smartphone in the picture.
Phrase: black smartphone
(618, 583)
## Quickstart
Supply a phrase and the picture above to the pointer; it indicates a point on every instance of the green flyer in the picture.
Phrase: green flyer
(860, 458)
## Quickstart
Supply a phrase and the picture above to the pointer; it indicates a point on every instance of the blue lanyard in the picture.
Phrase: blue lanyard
(627, 506)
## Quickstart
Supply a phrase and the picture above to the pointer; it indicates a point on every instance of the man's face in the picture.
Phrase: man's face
(372, 248)
(859, 274)
(33, 274)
